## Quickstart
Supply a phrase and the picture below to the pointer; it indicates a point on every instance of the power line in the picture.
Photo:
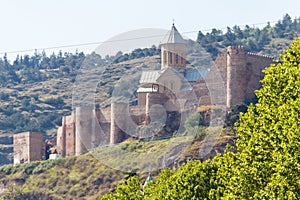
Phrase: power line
(120, 40)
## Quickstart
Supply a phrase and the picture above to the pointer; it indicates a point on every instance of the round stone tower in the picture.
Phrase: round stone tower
(236, 75)
(173, 49)
(84, 126)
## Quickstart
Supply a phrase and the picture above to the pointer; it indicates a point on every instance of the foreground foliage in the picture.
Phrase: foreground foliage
(268, 163)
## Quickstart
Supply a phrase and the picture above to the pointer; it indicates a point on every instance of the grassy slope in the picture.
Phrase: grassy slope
(86, 176)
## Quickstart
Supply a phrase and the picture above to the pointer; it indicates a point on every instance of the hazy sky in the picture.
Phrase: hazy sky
(36, 24)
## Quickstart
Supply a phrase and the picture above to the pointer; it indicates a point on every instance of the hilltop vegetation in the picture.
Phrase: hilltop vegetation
(269, 40)
(37, 90)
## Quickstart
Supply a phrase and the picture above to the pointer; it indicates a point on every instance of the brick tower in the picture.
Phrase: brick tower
(236, 75)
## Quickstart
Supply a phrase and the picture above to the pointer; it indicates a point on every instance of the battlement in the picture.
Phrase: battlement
(221, 55)
(259, 55)
(69, 119)
(242, 48)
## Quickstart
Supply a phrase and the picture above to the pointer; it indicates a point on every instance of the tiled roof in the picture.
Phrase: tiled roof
(150, 76)
(173, 36)
(192, 75)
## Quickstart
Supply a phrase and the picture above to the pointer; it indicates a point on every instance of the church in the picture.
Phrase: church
(233, 78)
(173, 75)
(172, 91)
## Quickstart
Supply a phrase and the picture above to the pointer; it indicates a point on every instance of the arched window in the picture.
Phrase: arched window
(176, 59)
(170, 58)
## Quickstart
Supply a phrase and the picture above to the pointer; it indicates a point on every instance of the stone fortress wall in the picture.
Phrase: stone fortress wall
(239, 75)
(244, 72)
(28, 146)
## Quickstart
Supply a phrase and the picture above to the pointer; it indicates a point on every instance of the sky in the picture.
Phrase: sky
(36, 24)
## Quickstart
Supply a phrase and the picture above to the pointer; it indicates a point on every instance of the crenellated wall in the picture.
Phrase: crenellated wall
(255, 63)
(244, 72)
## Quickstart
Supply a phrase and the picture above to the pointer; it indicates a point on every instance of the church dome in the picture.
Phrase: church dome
(173, 37)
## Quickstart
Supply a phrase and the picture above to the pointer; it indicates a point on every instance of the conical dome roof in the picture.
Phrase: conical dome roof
(172, 37)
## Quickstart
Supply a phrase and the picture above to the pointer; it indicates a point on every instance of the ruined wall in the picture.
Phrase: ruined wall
(172, 102)
(21, 148)
(201, 91)
(233, 79)
(66, 137)
(151, 100)
(70, 137)
(118, 121)
(256, 64)
(28, 146)
(138, 114)
(221, 64)
(61, 141)
(216, 87)
(142, 98)
(85, 129)
(244, 72)
(36, 146)
(102, 127)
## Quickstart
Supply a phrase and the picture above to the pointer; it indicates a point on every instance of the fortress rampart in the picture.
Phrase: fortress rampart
(241, 72)
(231, 81)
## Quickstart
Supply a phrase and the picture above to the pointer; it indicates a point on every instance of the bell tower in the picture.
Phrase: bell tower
(173, 49)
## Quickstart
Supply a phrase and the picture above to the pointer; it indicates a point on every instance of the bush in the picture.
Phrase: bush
(56, 102)
(193, 120)
(29, 167)
(4, 96)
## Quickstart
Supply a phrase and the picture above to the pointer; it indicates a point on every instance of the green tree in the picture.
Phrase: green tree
(267, 165)
(191, 181)
(128, 190)
(269, 137)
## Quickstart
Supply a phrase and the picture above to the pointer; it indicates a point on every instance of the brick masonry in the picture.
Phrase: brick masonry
(28, 146)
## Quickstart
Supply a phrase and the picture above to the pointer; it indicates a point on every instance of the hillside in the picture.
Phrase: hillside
(88, 176)
(36, 91)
